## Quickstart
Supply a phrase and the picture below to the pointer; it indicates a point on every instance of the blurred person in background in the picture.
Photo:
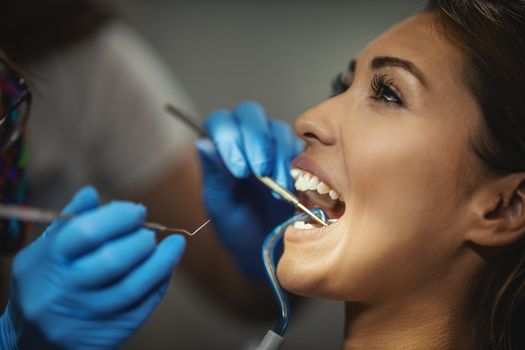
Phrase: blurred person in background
(98, 119)
(59, 295)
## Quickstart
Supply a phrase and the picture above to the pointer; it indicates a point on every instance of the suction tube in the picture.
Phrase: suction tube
(274, 338)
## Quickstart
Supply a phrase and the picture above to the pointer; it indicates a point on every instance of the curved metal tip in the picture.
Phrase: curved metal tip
(200, 227)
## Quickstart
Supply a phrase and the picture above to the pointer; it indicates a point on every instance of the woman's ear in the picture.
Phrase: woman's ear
(499, 212)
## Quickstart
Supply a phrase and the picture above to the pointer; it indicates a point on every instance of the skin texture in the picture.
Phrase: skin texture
(417, 199)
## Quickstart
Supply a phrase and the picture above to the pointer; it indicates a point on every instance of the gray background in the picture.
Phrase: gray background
(283, 54)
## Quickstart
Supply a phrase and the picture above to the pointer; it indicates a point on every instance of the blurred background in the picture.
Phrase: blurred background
(283, 54)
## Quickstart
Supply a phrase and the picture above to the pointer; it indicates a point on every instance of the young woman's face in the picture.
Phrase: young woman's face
(396, 147)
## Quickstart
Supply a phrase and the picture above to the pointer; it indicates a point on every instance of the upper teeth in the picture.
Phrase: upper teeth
(305, 181)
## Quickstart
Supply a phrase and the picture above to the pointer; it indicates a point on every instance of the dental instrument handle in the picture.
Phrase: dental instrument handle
(43, 216)
(271, 341)
(274, 186)
(267, 181)
(27, 214)
(177, 112)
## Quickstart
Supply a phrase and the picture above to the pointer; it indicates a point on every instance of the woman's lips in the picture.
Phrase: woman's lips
(314, 189)
(309, 165)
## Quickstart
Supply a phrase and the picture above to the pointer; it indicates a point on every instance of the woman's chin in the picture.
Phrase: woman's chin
(295, 280)
(305, 268)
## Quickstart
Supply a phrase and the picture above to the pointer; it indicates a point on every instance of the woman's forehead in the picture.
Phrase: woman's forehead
(418, 40)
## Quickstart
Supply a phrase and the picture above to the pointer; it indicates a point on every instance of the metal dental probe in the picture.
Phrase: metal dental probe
(266, 180)
(42, 216)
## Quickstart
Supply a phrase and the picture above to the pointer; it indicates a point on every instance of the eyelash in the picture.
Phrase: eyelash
(382, 88)
(383, 91)
(339, 84)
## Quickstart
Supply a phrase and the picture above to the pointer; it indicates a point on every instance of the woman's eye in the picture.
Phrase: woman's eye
(383, 91)
(389, 95)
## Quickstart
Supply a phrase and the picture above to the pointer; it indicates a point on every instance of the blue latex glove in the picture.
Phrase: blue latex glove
(245, 142)
(88, 283)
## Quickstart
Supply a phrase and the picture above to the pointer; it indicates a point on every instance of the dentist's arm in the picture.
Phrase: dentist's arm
(88, 283)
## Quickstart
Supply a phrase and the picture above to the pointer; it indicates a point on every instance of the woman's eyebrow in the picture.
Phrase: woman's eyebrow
(386, 61)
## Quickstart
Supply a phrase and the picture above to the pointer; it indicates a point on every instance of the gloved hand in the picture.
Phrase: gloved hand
(90, 282)
(245, 142)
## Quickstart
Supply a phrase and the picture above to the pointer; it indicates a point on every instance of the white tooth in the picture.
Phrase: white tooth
(323, 188)
(308, 226)
(299, 224)
(304, 183)
(305, 178)
(333, 194)
(298, 183)
(314, 181)
(295, 173)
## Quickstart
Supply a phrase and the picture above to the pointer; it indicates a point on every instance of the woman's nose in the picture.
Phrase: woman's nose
(316, 126)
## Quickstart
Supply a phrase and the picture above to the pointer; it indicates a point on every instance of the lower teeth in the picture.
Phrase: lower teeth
(302, 225)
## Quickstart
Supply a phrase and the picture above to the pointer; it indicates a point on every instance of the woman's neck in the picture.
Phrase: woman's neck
(418, 324)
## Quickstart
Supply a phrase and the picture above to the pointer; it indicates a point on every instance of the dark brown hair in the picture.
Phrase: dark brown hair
(491, 35)
(31, 29)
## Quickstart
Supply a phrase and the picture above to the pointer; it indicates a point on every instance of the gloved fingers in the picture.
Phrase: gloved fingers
(285, 146)
(212, 165)
(257, 144)
(299, 146)
(85, 199)
(115, 329)
(225, 135)
(138, 283)
(143, 309)
(88, 231)
(212, 159)
(112, 260)
(121, 325)
(218, 183)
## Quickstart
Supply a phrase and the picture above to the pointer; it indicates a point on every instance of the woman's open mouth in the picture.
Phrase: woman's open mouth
(314, 191)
